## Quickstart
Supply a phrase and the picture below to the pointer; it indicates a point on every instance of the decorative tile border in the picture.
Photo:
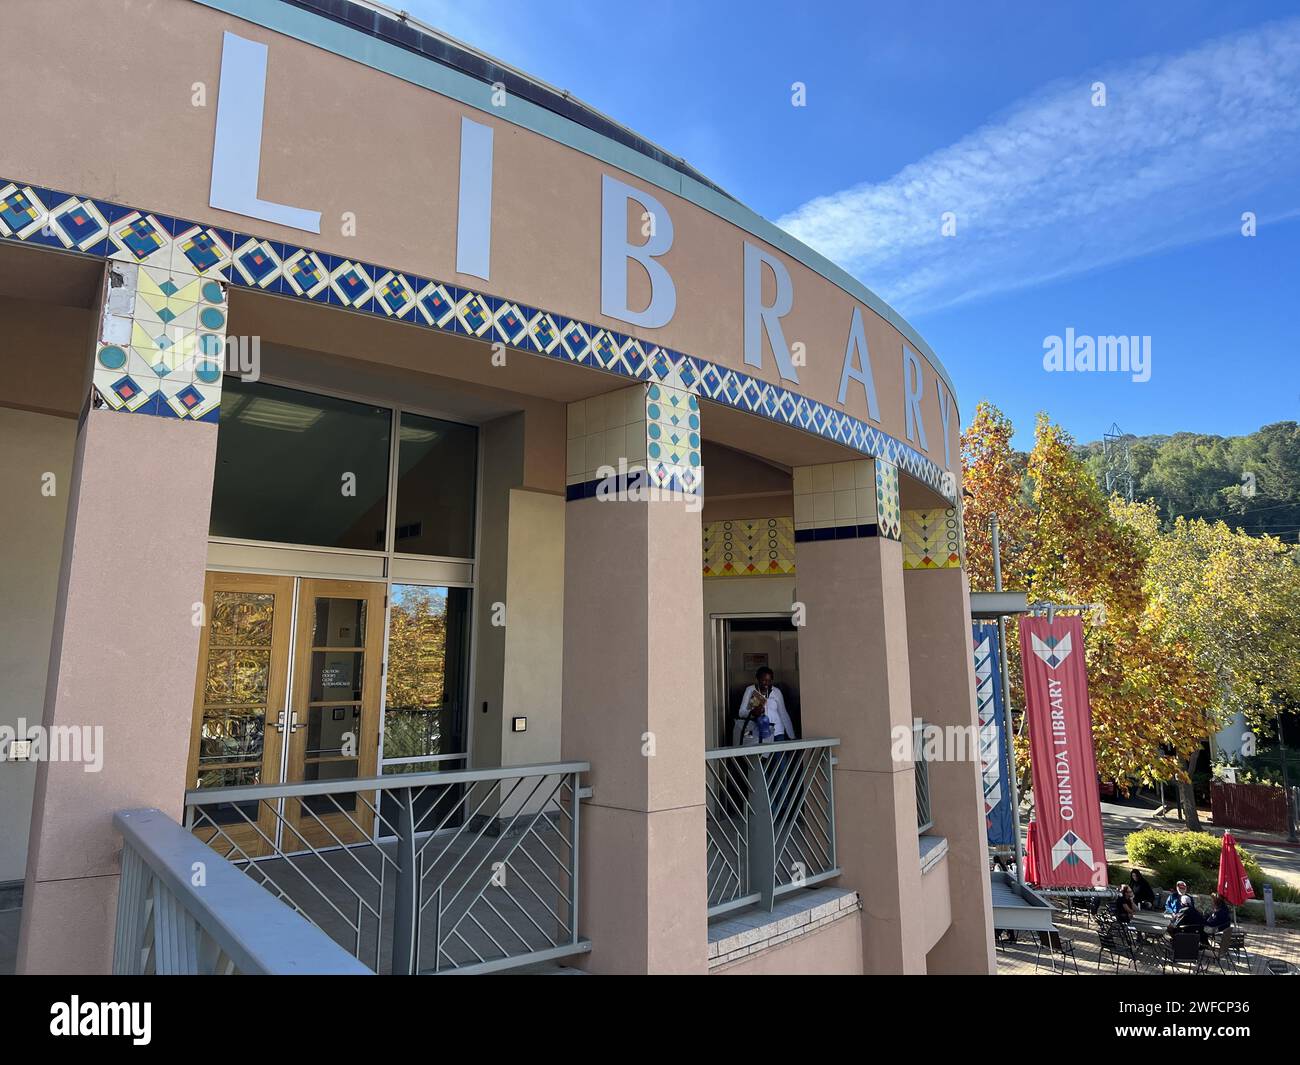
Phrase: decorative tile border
(932, 539)
(62, 221)
(749, 547)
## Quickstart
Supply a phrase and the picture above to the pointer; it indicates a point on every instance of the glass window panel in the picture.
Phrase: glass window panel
(437, 469)
(298, 468)
(231, 735)
(241, 619)
(339, 623)
(329, 728)
(336, 676)
(237, 676)
(427, 643)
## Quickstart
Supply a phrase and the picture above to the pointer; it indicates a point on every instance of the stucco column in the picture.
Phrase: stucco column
(853, 668)
(943, 693)
(125, 641)
(634, 678)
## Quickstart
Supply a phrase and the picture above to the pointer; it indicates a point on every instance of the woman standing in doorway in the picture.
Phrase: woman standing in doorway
(763, 717)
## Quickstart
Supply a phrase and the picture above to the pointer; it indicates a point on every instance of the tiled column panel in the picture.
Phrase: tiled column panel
(633, 686)
(653, 427)
(846, 500)
(161, 343)
(932, 539)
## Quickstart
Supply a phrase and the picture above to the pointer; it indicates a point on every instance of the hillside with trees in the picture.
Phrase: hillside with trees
(1249, 482)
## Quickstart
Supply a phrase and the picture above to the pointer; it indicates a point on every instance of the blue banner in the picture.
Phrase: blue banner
(994, 759)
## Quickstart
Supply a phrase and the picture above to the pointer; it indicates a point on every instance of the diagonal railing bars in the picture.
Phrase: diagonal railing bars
(467, 870)
(770, 821)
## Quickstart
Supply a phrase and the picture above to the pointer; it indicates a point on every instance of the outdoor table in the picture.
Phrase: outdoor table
(1149, 924)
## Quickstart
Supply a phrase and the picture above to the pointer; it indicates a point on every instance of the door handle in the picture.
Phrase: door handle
(294, 724)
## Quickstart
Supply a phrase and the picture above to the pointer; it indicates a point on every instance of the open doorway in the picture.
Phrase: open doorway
(742, 644)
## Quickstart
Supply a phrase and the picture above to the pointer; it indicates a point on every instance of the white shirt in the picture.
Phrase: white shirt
(774, 711)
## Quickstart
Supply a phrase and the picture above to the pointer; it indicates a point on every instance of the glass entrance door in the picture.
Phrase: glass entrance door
(284, 700)
(334, 708)
(239, 703)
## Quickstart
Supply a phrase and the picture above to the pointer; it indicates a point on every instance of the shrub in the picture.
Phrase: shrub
(1149, 847)
(1172, 870)
(1190, 856)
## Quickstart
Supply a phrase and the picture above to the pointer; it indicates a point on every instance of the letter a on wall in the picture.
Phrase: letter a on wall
(1067, 804)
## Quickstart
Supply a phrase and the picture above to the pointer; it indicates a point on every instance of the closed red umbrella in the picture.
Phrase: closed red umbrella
(1234, 884)
(1032, 843)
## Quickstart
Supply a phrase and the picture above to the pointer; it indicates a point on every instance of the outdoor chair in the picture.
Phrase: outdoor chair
(1216, 949)
(1236, 946)
(1078, 906)
(1055, 944)
(1112, 940)
(1185, 948)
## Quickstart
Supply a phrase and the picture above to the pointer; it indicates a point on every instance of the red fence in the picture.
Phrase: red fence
(1261, 806)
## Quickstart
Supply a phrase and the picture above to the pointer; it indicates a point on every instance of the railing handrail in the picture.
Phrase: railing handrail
(257, 932)
(251, 792)
(768, 748)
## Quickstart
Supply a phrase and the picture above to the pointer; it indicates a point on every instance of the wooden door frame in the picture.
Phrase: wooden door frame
(242, 836)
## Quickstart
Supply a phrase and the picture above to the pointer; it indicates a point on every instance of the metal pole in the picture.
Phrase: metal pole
(1006, 704)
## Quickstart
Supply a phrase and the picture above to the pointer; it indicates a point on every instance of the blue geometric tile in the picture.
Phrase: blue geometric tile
(103, 229)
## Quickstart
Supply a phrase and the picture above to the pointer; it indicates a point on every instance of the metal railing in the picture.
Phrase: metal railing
(770, 821)
(467, 870)
(181, 910)
(924, 819)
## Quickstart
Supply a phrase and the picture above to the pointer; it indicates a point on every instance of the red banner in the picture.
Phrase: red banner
(1066, 804)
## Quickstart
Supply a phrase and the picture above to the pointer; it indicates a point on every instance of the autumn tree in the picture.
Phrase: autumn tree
(1228, 599)
(1061, 544)
(992, 484)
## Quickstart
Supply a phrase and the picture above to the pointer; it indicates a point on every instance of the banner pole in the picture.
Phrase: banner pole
(1007, 735)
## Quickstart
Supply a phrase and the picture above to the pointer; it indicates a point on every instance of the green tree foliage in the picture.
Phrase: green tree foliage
(1250, 482)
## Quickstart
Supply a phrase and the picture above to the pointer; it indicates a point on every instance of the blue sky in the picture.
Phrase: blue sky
(1123, 219)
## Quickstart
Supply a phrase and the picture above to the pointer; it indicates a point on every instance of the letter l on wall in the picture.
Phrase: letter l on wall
(237, 148)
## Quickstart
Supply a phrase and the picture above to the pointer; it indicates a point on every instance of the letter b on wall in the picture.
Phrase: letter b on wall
(615, 251)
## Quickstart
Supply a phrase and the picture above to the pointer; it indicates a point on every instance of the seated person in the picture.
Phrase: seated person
(1123, 906)
(1171, 902)
(1220, 916)
(1143, 893)
(1188, 918)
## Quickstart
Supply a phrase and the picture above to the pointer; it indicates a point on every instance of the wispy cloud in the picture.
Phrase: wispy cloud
(1056, 186)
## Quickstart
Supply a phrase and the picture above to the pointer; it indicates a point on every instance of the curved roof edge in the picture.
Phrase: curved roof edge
(305, 22)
